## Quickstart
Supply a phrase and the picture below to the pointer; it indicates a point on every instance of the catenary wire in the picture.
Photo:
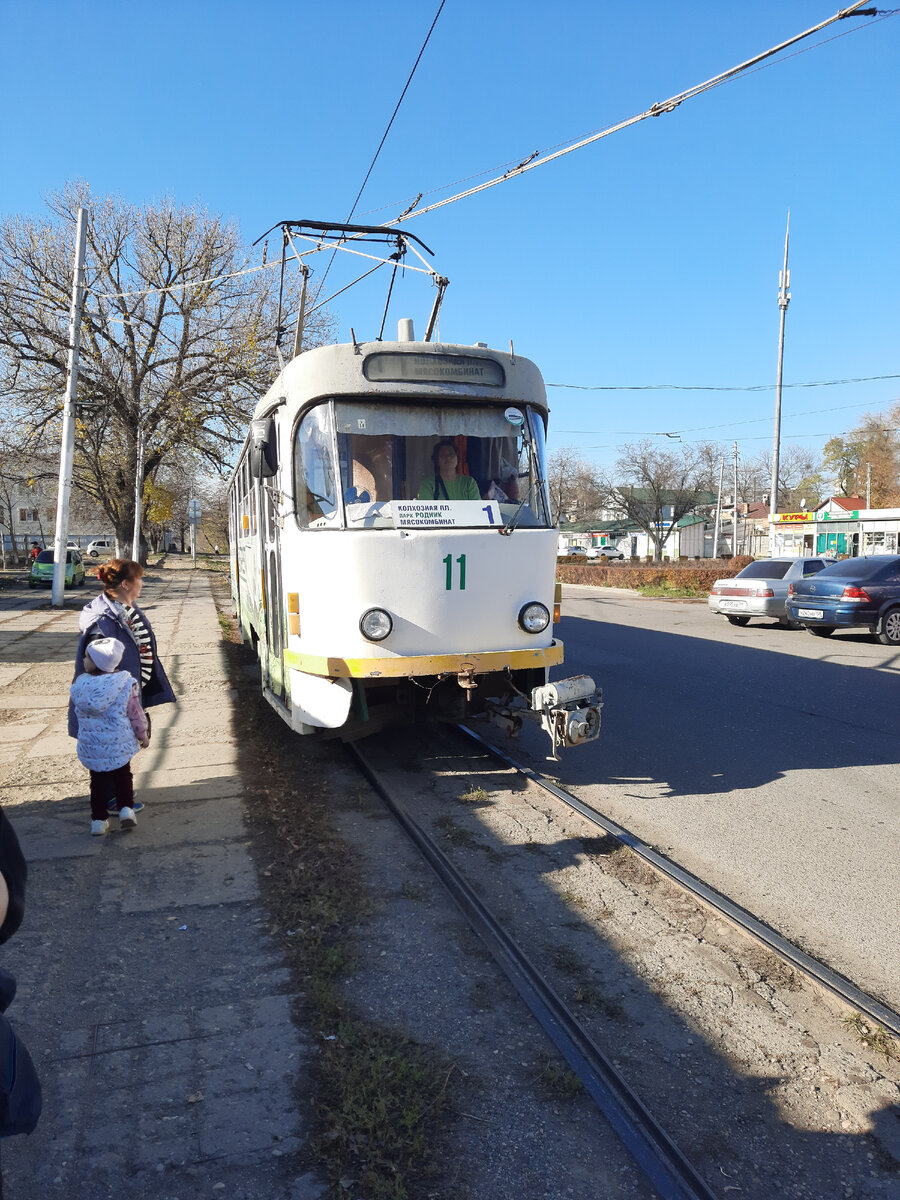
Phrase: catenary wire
(655, 110)
(699, 387)
(809, 412)
(883, 15)
(383, 140)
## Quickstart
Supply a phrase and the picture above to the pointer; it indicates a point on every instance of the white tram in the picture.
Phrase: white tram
(370, 585)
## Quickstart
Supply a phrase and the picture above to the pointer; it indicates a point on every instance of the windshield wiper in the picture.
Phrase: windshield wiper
(511, 524)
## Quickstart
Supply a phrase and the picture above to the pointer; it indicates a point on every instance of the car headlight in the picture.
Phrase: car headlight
(534, 617)
(375, 624)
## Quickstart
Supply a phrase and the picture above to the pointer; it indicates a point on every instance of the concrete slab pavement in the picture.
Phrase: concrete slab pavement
(155, 1005)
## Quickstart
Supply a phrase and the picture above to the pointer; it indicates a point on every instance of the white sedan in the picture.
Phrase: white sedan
(760, 589)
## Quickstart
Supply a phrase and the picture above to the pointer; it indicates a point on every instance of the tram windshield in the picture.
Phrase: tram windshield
(361, 466)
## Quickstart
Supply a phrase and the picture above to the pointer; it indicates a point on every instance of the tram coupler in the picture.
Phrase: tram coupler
(569, 711)
(466, 679)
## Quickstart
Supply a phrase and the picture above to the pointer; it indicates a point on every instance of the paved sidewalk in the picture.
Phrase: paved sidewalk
(155, 1005)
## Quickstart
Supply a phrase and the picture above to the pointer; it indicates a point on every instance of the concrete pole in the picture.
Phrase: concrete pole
(138, 494)
(784, 299)
(718, 510)
(67, 447)
(734, 509)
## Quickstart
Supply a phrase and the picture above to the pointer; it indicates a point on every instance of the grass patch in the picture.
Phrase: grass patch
(559, 1081)
(671, 593)
(565, 960)
(378, 1098)
(588, 997)
(454, 834)
(475, 795)
(571, 899)
(875, 1037)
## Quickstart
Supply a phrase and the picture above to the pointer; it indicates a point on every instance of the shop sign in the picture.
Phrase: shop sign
(792, 518)
(838, 516)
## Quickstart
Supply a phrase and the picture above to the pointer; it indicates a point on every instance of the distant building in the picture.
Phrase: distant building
(841, 525)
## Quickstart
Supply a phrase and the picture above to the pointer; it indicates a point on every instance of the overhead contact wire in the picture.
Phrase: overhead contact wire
(384, 135)
(655, 110)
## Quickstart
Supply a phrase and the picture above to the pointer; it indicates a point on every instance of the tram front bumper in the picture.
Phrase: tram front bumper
(411, 666)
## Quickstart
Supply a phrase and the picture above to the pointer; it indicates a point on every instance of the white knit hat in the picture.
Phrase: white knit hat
(105, 653)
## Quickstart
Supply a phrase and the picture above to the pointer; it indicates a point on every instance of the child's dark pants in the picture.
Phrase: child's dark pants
(108, 785)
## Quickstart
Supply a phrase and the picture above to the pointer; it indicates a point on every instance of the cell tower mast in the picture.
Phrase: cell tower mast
(784, 299)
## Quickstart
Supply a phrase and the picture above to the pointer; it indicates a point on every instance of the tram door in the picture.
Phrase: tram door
(273, 667)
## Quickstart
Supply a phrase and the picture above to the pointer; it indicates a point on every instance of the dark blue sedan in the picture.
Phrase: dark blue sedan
(854, 593)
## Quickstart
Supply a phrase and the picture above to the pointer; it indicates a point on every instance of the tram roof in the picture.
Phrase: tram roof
(339, 371)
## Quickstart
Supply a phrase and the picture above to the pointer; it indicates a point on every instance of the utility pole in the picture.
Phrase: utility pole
(138, 493)
(67, 447)
(718, 510)
(784, 299)
(734, 509)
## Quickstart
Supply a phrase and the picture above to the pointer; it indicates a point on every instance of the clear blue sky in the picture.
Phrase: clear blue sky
(649, 257)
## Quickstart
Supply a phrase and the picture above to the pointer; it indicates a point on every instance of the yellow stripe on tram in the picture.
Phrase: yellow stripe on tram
(402, 667)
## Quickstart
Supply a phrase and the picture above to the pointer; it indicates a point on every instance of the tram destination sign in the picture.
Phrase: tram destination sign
(447, 514)
(388, 367)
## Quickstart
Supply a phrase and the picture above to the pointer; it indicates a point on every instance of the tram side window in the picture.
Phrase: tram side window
(315, 485)
(245, 499)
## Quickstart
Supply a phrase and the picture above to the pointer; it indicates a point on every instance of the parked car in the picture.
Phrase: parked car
(101, 547)
(42, 569)
(603, 552)
(566, 551)
(761, 589)
(857, 593)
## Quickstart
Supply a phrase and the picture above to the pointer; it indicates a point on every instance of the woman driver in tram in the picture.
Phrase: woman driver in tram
(447, 483)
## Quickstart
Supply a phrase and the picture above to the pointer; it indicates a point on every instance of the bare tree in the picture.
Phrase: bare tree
(799, 477)
(655, 487)
(577, 490)
(177, 338)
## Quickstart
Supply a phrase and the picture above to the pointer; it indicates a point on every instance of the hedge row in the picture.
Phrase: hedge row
(700, 575)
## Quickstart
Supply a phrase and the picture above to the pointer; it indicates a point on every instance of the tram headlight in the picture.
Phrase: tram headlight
(375, 624)
(534, 617)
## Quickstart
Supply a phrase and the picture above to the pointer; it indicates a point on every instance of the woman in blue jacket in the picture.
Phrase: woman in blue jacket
(114, 613)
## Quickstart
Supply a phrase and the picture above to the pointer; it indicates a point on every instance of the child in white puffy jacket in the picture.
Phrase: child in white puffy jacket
(112, 727)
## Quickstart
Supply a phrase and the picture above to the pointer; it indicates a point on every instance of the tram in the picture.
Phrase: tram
(391, 544)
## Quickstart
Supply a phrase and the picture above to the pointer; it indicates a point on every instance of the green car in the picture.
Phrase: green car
(42, 569)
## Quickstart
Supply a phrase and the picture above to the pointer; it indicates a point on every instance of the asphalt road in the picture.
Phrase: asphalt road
(762, 759)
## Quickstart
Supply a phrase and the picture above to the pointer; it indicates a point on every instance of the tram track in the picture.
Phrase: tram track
(654, 1151)
(624, 965)
(832, 981)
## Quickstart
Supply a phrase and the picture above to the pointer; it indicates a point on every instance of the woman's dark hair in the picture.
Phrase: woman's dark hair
(116, 571)
(437, 449)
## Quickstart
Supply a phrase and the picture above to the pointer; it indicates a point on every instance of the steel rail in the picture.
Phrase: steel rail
(652, 1149)
(827, 977)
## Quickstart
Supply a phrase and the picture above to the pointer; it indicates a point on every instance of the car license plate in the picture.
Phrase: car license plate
(732, 604)
(817, 613)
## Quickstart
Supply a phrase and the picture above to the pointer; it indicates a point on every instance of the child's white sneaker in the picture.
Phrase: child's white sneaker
(98, 828)
(127, 819)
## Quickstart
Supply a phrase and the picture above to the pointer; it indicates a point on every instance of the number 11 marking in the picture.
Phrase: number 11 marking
(448, 563)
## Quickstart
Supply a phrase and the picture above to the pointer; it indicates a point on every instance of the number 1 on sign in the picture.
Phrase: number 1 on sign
(448, 563)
